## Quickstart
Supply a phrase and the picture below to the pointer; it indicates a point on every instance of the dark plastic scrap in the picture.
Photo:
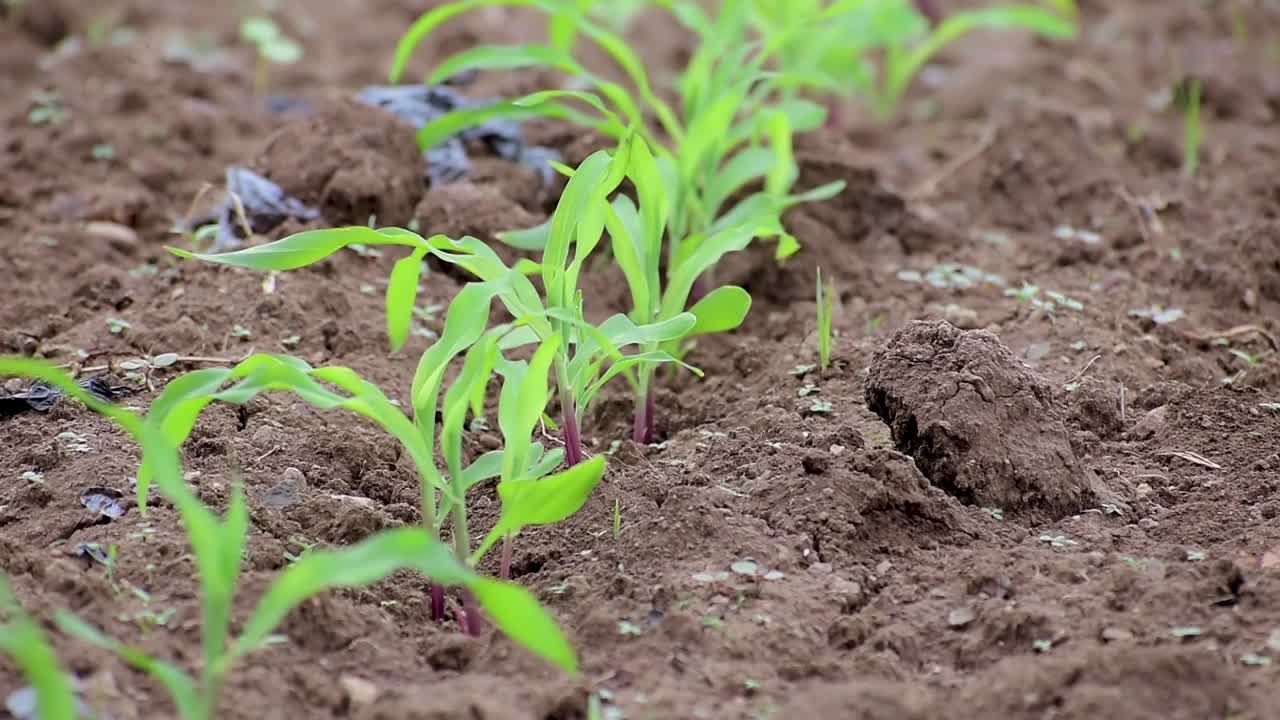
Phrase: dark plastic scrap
(447, 162)
(104, 502)
(265, 205)
(42, 397)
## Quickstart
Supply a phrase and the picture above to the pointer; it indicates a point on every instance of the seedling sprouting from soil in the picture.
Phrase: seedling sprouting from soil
(729, 132)
(826, 299)
(218, 544)
(575, 229)
(1192, 132)
(46, 109)
(273, 46)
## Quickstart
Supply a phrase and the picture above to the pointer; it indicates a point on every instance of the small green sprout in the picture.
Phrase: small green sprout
(1192, 132)
(273, 46)
(825, 301)
(103, 152)
(46, 109)
(617, 518)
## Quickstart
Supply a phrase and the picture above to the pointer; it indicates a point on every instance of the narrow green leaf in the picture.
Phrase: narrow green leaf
(518, 615)
(180, 686)
(402, 291)
(504, 57)
(28, 647)
(304, 248)
(428, 22)
(532, 239)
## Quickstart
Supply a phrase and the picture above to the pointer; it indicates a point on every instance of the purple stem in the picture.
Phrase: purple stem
(437, 602)
(470, 620)
(572, 438)
(504, 568)
(645, 428)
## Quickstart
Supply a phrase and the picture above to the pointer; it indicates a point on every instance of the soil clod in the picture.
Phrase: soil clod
(979, 423)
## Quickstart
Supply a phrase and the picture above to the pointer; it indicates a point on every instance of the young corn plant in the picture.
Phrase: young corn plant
(273, 47)
(875, 48)
(586, 356)
(826, 301)
(730, 132)
(218, 544)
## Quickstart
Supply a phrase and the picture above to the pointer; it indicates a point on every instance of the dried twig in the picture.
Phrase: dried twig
(930, 184)
(1083, 370)
(1192, 458)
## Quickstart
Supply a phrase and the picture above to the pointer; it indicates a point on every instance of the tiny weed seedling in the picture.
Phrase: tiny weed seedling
(218, 544)
(273, 47)
(1192, 132)
(826, 299)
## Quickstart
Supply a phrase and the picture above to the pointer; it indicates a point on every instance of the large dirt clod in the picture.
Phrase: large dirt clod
(979, 423)
(349, 161)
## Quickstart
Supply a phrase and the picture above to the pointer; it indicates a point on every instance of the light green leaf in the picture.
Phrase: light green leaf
(532, 239)
(305, 248)
(720, 310)
(505, 57)
(402, 291)
(180, 686)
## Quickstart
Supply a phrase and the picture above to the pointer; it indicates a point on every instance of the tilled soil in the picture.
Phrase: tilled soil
(1059, 502)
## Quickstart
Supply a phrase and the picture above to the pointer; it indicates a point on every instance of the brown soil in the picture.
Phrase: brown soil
(1141, 489)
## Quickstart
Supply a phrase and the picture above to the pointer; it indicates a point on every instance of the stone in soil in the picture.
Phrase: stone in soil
(979, 423)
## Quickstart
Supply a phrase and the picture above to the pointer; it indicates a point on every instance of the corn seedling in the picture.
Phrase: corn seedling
(731, 130)
(273, 47)
(826, 300)
(218, 544)
(575, 229)
(875, 48)
(26, 644)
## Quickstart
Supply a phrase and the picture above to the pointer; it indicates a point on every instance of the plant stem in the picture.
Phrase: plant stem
(568, 416)
(504, 567)
(437, 602)
(645, 428)
(472, 624)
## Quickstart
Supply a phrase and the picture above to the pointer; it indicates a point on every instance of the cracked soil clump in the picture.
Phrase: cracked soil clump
(979, 423)
(349, 161)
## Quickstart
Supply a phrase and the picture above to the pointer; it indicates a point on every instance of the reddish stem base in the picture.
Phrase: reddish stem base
(645, 428)
(572, 441)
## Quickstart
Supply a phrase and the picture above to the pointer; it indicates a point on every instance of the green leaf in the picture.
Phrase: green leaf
(402, 291)
(505, 57)
(357, 566)
(532, 239)
(720, 310)
(521, 405)
(549, 500)
(26, 645)
(305, 248)
(518, 615)
(180, 686)
(428, 22)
